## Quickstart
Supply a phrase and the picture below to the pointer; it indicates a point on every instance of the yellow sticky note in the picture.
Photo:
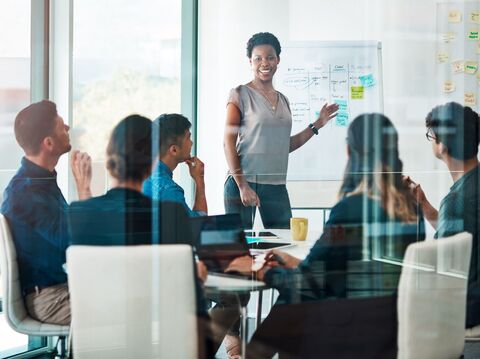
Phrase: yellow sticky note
(478, 78)
(471, 67)
(448, 36)
(357, 92)
(454, 16)
(442, 57)
(472, 34)
(448, 86)
(470, 99)
(458, 66)
(475, 17)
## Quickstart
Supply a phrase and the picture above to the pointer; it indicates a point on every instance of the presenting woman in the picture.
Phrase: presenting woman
(257, 139)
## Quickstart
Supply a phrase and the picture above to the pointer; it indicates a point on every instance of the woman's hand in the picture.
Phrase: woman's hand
(326, 114)
(242, 265)
(249, 196)
(415, 189)
(282, 259)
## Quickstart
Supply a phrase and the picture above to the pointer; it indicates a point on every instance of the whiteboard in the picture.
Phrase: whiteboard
(312, 73)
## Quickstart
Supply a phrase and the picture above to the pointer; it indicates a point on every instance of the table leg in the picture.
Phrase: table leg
(272, 297)
(244, 331)
(259, 309)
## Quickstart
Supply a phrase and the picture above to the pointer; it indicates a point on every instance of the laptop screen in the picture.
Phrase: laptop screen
(218, 240)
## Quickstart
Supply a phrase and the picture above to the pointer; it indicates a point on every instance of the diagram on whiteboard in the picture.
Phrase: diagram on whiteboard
(312, 74)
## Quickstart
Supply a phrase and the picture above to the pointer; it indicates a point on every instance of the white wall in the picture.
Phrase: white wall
(405, 27)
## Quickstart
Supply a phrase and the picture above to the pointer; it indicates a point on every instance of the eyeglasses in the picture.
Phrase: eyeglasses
(430, 136)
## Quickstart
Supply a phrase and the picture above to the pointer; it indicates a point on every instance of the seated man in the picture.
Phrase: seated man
(175, 146)
(454, 132)
(36, 210)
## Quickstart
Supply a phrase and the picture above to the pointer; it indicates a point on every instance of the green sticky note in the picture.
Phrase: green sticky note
(471, 67)
(472, 35)
(357, 92)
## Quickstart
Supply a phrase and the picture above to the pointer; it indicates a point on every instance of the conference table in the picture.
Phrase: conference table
(224, 283)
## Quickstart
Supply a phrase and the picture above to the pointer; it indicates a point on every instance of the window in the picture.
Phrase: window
(126, 59)
(15, 16)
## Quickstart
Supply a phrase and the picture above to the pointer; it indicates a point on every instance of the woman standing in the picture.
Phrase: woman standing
(257, 139)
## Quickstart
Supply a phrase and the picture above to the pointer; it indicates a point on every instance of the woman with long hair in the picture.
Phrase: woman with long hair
(368, 230)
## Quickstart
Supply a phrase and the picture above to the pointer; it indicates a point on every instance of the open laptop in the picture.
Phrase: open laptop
(218, 240)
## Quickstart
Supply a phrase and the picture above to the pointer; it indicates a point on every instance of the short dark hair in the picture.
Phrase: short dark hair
(263, 38)
(457, 128)
(129, 150)
(169, 128)
(33, 124)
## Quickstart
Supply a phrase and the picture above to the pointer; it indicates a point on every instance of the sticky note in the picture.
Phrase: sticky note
(471, 67)
(475, 17)
(470, 99)
(341, 119)
(448, 36)
(367, 80)
(357, 92)
(458, 66)
(454, 16)
(342, 105)
(448, 87)
(478, 78)
(472, 34)
(442, 57)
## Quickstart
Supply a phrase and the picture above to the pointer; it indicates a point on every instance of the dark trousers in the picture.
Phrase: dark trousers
(274, 207)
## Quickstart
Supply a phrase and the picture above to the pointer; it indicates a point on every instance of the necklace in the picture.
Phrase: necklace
(265, 95)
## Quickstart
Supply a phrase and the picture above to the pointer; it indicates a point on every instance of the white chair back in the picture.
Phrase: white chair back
(432, 298)
(13, 304)
(12, 299)
(132, 301)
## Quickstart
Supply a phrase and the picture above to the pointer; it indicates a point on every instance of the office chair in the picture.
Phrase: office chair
(13, 304)
(432, 298)
(132, 301)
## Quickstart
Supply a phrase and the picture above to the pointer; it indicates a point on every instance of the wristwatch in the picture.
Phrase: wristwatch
(313, 128)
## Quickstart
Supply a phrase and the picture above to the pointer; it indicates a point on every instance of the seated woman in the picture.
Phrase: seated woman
(361, 249)
(124, 216)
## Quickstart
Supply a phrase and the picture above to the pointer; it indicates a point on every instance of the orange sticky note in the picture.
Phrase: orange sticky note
(448, 87)
(470, 99)
(454, 16)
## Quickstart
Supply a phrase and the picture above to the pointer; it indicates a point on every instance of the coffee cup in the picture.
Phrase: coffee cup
(299, 228)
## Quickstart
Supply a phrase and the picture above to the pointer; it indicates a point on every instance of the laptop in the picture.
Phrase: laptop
(218, 240)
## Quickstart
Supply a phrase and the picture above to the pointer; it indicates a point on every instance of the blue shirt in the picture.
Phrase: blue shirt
(161, 186)
(37, 213)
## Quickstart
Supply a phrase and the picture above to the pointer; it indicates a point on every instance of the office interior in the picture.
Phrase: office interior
(103, 60)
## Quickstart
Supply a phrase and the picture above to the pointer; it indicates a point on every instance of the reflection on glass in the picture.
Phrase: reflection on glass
(14, 95)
